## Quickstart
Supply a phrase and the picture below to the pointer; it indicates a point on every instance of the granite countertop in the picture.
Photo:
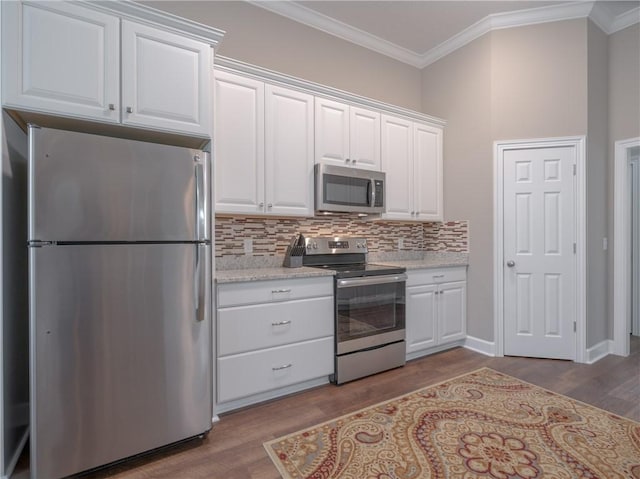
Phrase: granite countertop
(257, 274)
(234, 269)
(440, 259)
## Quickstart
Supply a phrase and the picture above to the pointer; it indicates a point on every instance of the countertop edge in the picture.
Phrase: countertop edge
(263, 274)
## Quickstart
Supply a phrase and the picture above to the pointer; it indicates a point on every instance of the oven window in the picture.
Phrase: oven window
(345, 190)
(369, 310)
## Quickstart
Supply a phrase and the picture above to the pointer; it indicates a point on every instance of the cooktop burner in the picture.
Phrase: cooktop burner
(356, 270)
(345, 255)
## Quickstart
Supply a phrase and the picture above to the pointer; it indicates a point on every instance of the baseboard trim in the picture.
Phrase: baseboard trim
(482, 346)
(600, 350)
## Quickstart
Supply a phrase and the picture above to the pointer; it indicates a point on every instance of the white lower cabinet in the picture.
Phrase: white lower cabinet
(436, 309)
(272, 335)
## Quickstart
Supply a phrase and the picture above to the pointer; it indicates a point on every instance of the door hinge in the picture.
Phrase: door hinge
(574, 248)
(575, 168)
(574, 327)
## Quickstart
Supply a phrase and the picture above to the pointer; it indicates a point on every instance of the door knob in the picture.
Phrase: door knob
(511, 264)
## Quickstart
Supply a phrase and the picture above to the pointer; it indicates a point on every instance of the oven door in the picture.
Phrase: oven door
(370, 311)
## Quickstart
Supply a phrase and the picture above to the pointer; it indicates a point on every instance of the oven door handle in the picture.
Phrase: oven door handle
(370, 280)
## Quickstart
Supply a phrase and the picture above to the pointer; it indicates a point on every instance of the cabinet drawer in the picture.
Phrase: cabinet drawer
(247, 328)
(436, 275)
(253, 292)
(251, 373)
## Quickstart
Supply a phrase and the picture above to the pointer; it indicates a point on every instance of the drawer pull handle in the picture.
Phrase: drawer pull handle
(281, 323)
(286, 366)
(438, 275)
(274, 291)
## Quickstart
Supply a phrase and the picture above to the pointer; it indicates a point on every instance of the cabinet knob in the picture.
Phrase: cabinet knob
(129, 109)
(347, 160)
(269, 206)
(112, 107)
(261, 205)
(353, 161)
(511, 264)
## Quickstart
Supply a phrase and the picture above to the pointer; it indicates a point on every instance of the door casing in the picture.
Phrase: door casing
(621, 246)
(577, 142)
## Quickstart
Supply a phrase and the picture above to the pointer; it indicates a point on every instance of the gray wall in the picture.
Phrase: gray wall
(262, 38)
(624, 112)
(598, 322)
(15, 315)
(458, 88)
(517, 83)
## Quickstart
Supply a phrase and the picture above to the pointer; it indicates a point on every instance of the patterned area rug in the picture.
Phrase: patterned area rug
(481, 425)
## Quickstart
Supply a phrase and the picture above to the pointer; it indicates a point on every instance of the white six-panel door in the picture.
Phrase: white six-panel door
(539, 258)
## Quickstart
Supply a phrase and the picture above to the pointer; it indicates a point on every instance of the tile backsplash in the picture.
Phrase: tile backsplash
(270, 236)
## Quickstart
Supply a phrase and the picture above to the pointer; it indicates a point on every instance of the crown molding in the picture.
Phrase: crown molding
(496, 21)
(154, 17)
(231, 65)
(625, 20)
(301, 14)
(566, 11)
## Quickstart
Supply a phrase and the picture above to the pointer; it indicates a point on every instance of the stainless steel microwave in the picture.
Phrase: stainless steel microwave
(349, 190)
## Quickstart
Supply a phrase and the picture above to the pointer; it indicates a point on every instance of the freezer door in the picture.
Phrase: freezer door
(121, 355)
(86, 187)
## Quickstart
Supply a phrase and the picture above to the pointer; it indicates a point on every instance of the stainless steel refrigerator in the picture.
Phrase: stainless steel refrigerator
(120, 298)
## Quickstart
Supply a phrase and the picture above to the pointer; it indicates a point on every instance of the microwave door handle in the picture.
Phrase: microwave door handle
(372, 193)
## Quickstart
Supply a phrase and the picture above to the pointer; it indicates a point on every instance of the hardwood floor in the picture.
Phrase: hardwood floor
(233, 449)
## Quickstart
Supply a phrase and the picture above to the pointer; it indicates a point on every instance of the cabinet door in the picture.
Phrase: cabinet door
(62, 59)
(364, 138)
(165, 80)
(288, 152)
(397, 163)
(452, 307)
(428, 172)
(238, 141)
(332, 132)
(421, 317)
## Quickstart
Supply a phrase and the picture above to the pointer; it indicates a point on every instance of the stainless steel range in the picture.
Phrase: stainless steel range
(369, 307)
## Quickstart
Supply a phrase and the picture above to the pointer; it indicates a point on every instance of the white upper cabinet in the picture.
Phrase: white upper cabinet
(83, 61)
(239, 144)
(263, 148)
(397, 163)
(364, 135)
(288, 152)
(428, 197)
(412, 160)
(346, 135)
(165, 80)
(61, 58)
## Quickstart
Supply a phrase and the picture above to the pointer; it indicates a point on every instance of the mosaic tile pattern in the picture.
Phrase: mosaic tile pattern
(272, 235)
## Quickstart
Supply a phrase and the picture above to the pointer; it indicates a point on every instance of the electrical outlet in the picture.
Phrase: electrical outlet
(400, 243)
(248, 245)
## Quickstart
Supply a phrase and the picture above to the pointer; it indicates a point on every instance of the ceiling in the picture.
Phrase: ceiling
(419, 32)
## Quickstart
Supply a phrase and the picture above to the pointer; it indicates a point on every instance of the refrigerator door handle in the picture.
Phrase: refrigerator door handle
(200, 201)
(200, 280)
